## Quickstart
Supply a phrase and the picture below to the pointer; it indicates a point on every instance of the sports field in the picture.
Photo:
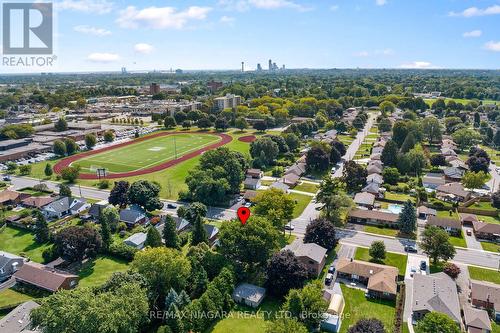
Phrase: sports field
(145, 154)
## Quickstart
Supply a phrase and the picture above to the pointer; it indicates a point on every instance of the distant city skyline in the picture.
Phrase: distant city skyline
(102, 35)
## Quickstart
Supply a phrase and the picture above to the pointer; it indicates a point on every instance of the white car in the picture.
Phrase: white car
(289, 226)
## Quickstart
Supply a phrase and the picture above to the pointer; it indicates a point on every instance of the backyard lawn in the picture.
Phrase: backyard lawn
(484, 274)
(381, 230)
(97, 271)
(307, 187)
(302, 201)
(11, 298)
(391, 259)
(493, 247)
(446, 213)
(357, 307)
(458, 241)
(484, 205)
(489, 219)
(21, 242)
(401, 197)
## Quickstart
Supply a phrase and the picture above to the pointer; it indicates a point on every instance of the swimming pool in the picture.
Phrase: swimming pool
(395, 208)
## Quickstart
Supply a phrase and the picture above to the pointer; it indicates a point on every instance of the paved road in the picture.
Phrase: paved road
(494, 182)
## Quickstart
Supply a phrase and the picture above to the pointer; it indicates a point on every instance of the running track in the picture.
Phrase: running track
(67, 161)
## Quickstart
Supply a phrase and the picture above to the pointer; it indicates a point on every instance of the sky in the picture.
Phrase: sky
(105, 35)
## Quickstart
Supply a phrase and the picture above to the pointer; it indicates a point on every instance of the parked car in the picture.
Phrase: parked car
(248, 205)
(411, 248)
(289, 226)
(331, 269)
(423, 265)
(469, 232)
(328, 279)
(6, 178)
(171, 206)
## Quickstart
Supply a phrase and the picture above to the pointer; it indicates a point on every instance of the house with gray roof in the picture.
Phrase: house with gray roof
(9, 264)
(373, 188)
(364, 199)
(476, 320)
(435, 293)
(311, 255)
(18, 320)
(136, 240)
(249, 294)
(64, 206)
(453, 174)
(133, 215)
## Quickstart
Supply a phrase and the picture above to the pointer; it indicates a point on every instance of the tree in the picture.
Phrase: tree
(391, 176)
(377, 251)
(250, 245)
(285, 272)
(119, 194)
(241, 123)
(221, 124)
(90, 140)
(64, 190)
(204, 123)
(71, 146)
(123, 309)
(384, 125)
(59, 148)
(400, 131)
(317, 159)
(306, 305)
(25, 170)
(199, 234)
(339, 146)
(354, 176)
(335, 201)
(416, 159)
(387, 107)
(409, 143)
(474, 180)
(436, 244)
(109, 136)
(153, 238)
(285, 325)
(169, 233)
(145, 194)
(48, 170)
(321, 232)
(70, 174)
(61, 125)
(163, 268)
(465, 137)
(105, 232)
(169, 122)
(275, 205)
(74, 243)
(432, 129)
(42, 234)
(111, 217)
(260, 126)
(407, 220)
(371, 325)
(451, 269)
(264, 151)
(292, 141)
(438, 160)
(495, 199)
(437, 322)
(389, 154)
(496, 138)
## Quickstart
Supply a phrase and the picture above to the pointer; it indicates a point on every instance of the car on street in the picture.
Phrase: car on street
(411, 248)
(171, 206)
(423, 265)
(289, 226)
(328, 279)
(248, 205)
(6, 178)
(331, 269)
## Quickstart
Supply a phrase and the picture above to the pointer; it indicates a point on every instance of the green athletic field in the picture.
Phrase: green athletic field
(147, 153)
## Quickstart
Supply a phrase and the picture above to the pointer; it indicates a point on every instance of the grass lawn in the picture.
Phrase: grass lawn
(446, 213)
(247, 320)
(19, 241)
(489, 219)
(484, 274)
(357, 307)
(97, 271)
(458, 241)
(381, 231)
(495, 328)
(306, 187)
(493, 247)
(11, 298)
(401, 197)
(302, 201)
(484, 205)
(391, 259)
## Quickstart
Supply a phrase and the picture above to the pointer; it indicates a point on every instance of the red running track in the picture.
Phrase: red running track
(68, 160)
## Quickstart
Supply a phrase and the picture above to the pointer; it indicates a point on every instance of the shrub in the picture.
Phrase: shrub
(122, 250)
(451, 269)
(103, 184)
(41, 188)
(50, 254)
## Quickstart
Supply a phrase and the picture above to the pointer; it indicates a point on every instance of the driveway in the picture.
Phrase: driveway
(472, 242)
(413, 261)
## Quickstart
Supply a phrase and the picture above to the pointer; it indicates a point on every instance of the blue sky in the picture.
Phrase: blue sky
(219, 34)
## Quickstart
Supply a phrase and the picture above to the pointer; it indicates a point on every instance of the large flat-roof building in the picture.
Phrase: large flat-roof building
(227, 102)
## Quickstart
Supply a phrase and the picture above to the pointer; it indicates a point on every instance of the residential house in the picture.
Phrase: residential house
(375, 156)
(212, 233)
(467, 219)
(424, 212)
(44, 277)
(133, 215)
(432, 181)
(136, 240)
(452, 226)
(311, 255)
(291, 179)
(251, 183)
(452, 191)
(375, 178)
(476, 320)
(489, 231)
(249, 294)
(298, 168)
(448, 143)
(254, 173)
(381, 280)
(458, 163)
(435, 293)
(376, 217)
(181, 224)
(373, 168)
(377, 150)
(486, 295)
(448, 152)
(18, 320)
(36, 202)
(364, 199)
(9, 197)
(280, 186)
(372, 188)
(9, 264)
(64, 206)
(453, 174)
(249, 195)
(96, 208)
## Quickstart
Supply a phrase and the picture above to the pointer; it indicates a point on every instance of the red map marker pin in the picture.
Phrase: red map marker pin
(243, 214)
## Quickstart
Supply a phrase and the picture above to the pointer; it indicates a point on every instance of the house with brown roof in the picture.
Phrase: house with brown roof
(36, 202)
(291, 179)
(311, 255)
(380, 280)
(489, 231)
(486, 295)
(424, 212)
(44, 277)
(476, 320)
(468, 219)
(255, 173)
(9, 197)
(452, 192)
(452, 226)
(376, 217)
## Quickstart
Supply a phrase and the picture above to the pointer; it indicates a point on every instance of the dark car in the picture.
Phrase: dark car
(328, 279)
(411, 248)
(423, 265)
(6, 178)
(171, 206)
(331, 269)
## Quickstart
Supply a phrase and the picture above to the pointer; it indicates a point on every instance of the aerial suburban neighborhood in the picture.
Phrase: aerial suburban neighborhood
(345, 191)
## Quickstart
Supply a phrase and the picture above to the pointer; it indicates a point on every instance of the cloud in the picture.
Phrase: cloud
(492, 46)
(380, 2)
(85, 29)
(472, 34)
(160, 17)
(227, 19)
(86, 6)
(382, 52)
(474, 11)
(103, 57)
(334, 8)
(143, 48)
(418, 65)
(362, 54)
(244, 5)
